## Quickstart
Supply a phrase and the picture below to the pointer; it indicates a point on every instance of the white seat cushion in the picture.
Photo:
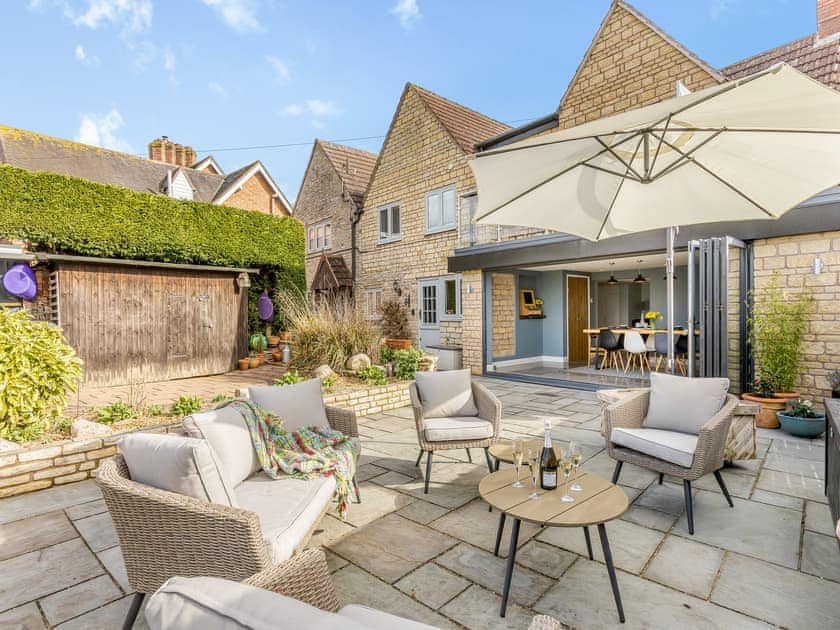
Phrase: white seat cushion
(683, 404)
(208, 603)
(377, 620)
(288, 508)
(178, 464)
(446, 394)
(298, 405)
(226, 432)
(457, 428)
(670, 446)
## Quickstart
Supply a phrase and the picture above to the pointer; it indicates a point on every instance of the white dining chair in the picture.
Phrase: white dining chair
(636, 350)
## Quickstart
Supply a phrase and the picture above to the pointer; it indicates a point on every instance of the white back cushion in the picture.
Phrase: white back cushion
(298, 405)
(446, 394)
(683, 404)
(177, 464)
(226, 432)
(207, 603)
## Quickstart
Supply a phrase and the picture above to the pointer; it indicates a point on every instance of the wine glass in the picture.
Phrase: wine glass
(534, 467)
(576, 456)
(566, 466)
(516, 451)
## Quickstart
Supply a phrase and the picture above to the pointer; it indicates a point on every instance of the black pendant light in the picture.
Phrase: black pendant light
(640, 279)
(612, 280)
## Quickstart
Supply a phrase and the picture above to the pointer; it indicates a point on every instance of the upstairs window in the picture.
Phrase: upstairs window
(440, 209)
(373, 303)
(389, 223)
(319, 237)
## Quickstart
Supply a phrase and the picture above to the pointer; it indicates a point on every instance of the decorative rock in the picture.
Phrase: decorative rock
(428, 363)
(6, 445)
(358, 362)
(82, 428)
(322, 371)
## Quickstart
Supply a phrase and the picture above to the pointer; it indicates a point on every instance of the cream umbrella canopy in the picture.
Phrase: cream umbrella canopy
(744, 150)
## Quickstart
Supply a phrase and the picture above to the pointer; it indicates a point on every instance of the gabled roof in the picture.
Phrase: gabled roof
(354, 168)
(233, 182)
(331, 273)
(162, 187)
(208, 162)
(37, 152)
(819, 59)
(466, 126)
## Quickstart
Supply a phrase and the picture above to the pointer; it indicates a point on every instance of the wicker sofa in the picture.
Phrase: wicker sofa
(163, 534)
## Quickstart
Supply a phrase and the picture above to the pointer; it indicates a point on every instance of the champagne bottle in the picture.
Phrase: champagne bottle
(548, 462)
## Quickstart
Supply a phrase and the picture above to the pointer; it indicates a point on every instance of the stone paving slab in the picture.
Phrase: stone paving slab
(668, 566)
(79, 599)
(26, 617)
(55, 498)
(472, 523)
(34, 533)
(432, 585)
(818, 518)
(821, 556)
(478, 609)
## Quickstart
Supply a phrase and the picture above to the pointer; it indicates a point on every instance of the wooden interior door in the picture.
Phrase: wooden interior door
(577, 319)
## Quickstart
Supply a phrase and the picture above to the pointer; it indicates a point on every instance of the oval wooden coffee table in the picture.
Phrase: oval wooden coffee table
(503, 451)
(599, 501)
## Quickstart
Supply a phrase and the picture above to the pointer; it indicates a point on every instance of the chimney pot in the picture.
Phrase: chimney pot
(828, 18)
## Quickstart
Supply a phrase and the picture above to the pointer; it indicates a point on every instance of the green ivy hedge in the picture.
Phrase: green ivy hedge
(62, 214)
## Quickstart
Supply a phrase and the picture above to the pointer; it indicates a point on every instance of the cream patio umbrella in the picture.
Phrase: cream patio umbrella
(747, 149)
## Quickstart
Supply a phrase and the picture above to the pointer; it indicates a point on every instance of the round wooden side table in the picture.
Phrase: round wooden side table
(598, 502)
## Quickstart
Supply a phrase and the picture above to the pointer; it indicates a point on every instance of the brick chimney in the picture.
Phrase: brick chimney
(828, 18)
(164, 150)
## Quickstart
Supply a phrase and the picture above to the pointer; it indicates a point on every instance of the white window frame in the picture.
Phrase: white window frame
(320, 241)
(392, 236)
(442, 314)
(376, 296)
(443, 227)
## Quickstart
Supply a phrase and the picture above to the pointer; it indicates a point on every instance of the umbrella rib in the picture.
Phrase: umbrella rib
(606, 170)
(628, 165)
(749, 130)
(684, 154)
(658, 148)
(615, 196)
(708, 171)
(545, 181)
(511, 149)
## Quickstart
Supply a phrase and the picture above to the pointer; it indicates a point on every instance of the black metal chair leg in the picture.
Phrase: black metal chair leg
(605, 546)
(514, 541)
(487, 457)
(469, 456)
(689, 507)
(588, 542)
(617, 471)
(419, 457)
(428, 472)
(499, 533)
(723, 488)
(661, 477)
(133, 610)
(496, 467)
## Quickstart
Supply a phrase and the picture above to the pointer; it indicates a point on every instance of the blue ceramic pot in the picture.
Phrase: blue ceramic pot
(802, 427)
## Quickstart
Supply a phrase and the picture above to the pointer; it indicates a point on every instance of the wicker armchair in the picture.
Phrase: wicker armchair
(305, 577)
(708, 458)
(489, 408)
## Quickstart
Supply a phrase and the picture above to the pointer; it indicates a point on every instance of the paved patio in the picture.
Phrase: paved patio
(772, 561)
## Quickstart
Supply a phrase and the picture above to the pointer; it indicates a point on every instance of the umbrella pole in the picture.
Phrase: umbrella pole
(669, 272)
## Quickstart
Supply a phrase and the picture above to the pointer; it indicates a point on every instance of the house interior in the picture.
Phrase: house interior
(542, 321)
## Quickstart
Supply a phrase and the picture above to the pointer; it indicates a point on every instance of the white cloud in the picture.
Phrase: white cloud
(102, 131)
(217, 88)
(240, 15)
(281, 69)
(292, 109)
(131, 15)
(319, 108)
(407, 12)
(82, 57)
(719, 8)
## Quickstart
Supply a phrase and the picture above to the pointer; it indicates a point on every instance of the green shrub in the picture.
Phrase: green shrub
(115, 412)
(327, 331)
(372, 375)
(37, 370)
(407, 363)
(186, 405)
(153, 411)
(74, 216)
(328, 382)
(221, 398)
(777, 325)
(386, 354)
(289, 378)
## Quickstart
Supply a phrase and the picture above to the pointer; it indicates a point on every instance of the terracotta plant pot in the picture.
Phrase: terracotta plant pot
(398, 344)
(284, 335)
(766, 418)
(273, 341)
(243, 364)
(277, 355)
(253, 362)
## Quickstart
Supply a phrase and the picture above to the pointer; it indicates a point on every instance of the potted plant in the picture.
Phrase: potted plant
(651, 317)
(258, 344)
(800, 419)
(777, 324)
(244, 364)
(833, 379)
(394, 325)
(253, 360)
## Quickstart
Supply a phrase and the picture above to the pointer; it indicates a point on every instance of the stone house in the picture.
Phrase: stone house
(420, 185)
(631, 63)
(329, 204)
(171, 169)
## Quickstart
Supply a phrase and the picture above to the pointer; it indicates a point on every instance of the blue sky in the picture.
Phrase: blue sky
(220, 74)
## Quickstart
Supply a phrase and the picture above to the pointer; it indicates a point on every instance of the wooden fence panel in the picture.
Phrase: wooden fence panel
(142, 324)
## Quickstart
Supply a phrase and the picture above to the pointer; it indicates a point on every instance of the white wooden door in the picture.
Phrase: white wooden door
(429, 320)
